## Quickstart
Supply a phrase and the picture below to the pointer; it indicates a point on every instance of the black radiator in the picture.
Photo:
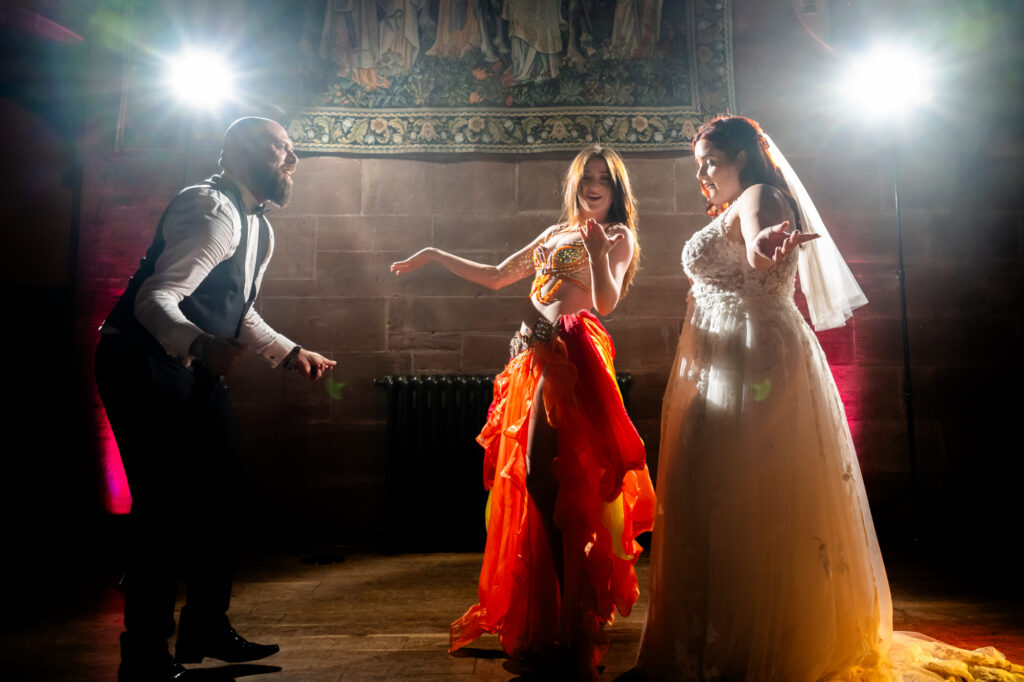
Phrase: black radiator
(434, 465)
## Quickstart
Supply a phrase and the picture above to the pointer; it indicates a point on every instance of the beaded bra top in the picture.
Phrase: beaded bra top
(559, 264)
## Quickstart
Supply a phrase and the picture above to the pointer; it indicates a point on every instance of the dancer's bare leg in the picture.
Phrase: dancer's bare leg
(541, 448)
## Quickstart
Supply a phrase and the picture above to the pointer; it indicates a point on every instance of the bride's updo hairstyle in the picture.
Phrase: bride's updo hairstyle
(733, 134)
(623, 209)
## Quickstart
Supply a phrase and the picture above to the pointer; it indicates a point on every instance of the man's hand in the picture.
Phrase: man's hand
(312, 365)
(221, 355)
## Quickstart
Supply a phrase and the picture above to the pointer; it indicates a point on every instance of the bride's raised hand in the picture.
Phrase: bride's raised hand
(596, 240)
(413, 262)
(775, 244)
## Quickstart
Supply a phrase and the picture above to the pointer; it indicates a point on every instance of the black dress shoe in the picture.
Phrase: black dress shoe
(214, 637)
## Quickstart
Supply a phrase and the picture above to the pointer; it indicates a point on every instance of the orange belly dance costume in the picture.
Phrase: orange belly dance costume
(605, 497)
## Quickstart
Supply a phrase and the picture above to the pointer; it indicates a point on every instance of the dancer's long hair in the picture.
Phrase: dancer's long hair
(623, 208)
(733, 134)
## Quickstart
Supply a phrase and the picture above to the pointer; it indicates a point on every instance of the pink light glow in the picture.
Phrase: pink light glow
(840, 350)
(839, 345)
(117, 498)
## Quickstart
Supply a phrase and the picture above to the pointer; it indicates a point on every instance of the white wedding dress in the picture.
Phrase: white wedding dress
(764, 560)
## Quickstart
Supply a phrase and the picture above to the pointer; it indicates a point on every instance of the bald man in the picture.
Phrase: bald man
(161, 367)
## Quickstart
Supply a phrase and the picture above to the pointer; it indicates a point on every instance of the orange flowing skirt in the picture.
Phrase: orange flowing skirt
(605, 500)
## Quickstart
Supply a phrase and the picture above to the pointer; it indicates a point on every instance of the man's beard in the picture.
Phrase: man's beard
(275, 186)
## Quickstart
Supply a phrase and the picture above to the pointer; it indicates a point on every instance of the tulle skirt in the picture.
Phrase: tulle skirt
(764, 560)
(605, 500)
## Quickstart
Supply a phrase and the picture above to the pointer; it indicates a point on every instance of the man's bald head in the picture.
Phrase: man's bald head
(258, 152)
(242, 136)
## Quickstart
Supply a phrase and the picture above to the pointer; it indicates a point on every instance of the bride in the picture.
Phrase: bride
(764, 562)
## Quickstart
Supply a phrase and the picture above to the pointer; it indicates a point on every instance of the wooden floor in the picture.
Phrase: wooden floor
(376, 617)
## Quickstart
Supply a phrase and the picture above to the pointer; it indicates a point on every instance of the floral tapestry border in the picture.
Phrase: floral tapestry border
(497, 130)
(529, 130)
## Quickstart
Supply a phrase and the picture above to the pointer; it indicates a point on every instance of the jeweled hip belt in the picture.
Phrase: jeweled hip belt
(543, 332)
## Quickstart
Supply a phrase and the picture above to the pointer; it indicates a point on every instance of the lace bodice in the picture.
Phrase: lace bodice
(720, 274)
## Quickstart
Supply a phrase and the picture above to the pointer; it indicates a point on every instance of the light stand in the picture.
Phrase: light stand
(890, 82)
(901, 275)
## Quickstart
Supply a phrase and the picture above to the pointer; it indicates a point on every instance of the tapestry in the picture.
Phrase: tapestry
(517, 76)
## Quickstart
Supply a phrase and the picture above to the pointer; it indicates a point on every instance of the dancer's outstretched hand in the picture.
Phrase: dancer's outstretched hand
(596, 240)
(775, 243)
(413, 262)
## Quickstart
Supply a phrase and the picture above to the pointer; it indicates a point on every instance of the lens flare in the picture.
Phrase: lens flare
(888, 81)
(200, 79)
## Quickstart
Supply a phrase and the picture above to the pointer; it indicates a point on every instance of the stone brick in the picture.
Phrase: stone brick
(424, 341)
(398, 188)
(294, 248)
(145, 174)
(853, 182)
(254, 383)
(394, 234)
(879, 342)
(661, 240)
(326, 185)
(882, 289)
(140, 221)
(436, 362)
(881, 445)
(863, 235)
(1000, 237)
(999, 177)
(352, 394)
(326, 325)
(482, 188)
(930, 177)
(485, 353)
(654, 297)
(839, 343)
(983, 341)
(484, 314)
(360, 273)
(539, 185)
(926, 236)
(869, 393)
(654, 183)
(688, 198)
(995, 293)
(646, 344)
(287, 288)
(492, 232)
(934, 385)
